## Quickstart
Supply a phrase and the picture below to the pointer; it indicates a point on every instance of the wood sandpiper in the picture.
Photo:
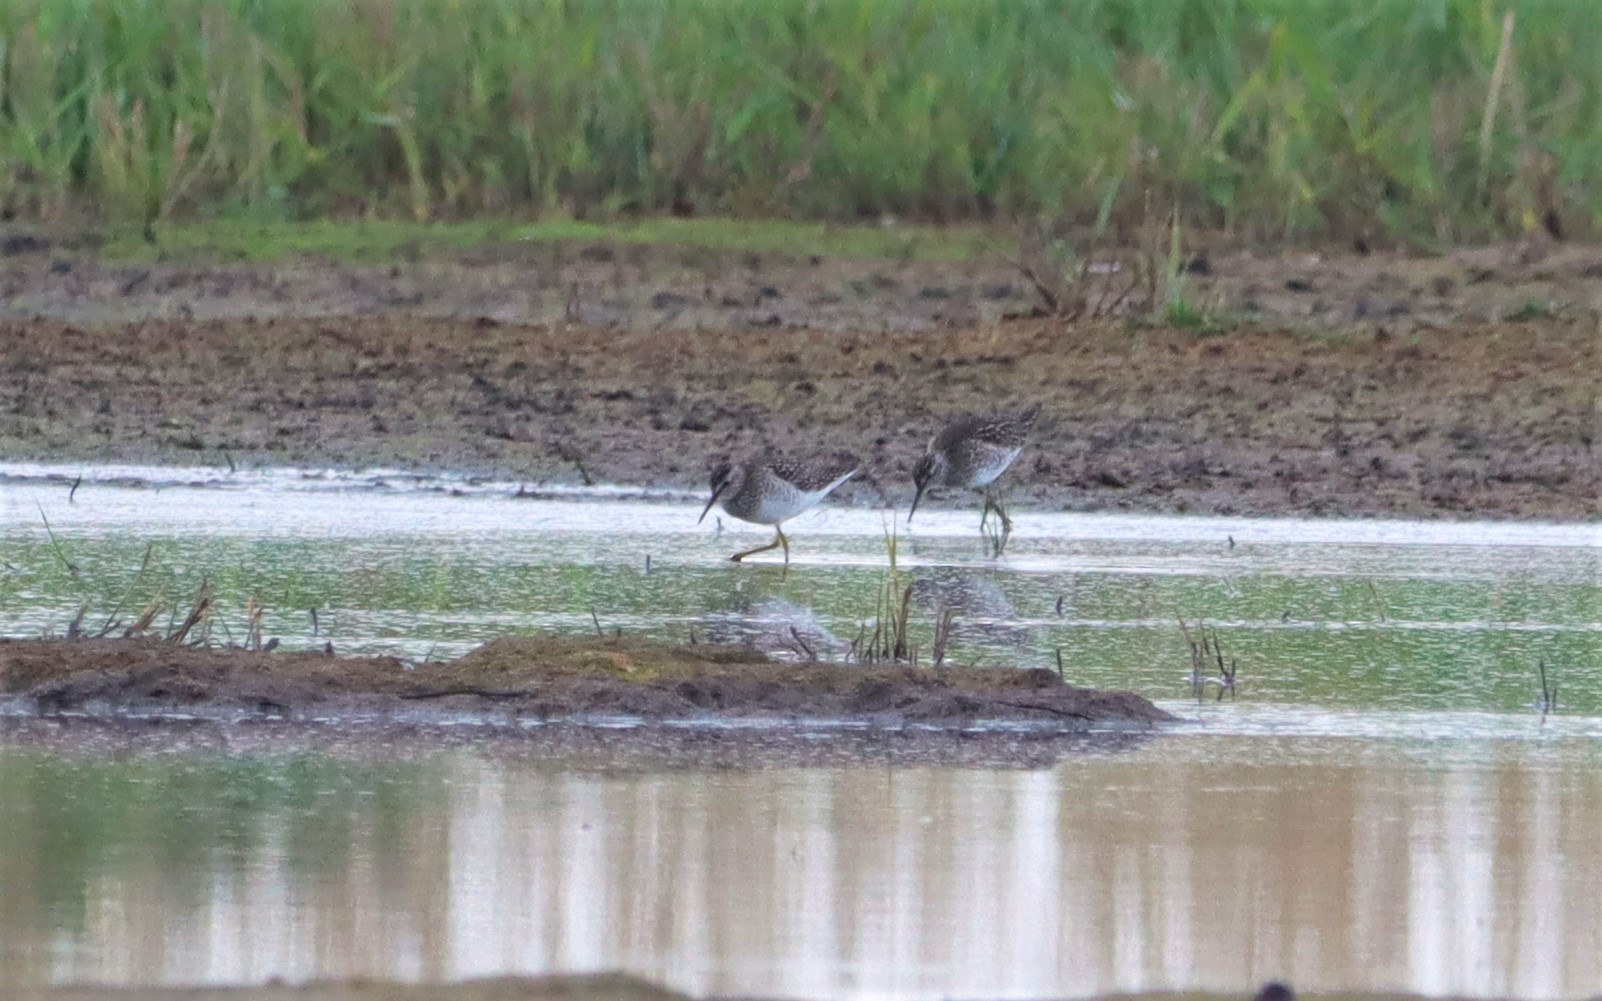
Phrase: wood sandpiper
(970, 453)
(773, 490)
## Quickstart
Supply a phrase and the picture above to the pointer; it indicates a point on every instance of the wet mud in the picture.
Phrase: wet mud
(577, 987)
(518, 680)
(578, 748)
(1461, 384)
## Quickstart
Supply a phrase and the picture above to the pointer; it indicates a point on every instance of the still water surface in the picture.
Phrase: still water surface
(1383, 807)
(1363, 615)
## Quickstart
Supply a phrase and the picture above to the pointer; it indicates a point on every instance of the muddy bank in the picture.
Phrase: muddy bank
(535, 678)
(575, 748)
(1460, 385)
(598, 987)
(626, 284)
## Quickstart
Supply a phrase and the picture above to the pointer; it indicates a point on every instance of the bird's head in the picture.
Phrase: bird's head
(929, 469)
(726, 478)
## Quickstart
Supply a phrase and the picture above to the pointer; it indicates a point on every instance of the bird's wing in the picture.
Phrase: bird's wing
(815, 474)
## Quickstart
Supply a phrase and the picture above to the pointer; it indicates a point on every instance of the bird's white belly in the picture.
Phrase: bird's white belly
(781, 501)
(996, 461)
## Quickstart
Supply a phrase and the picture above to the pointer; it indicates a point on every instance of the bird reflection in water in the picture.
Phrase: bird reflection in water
(981, 613)
(777, 627)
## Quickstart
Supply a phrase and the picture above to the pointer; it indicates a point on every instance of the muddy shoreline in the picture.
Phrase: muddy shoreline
(1458, 385)
(559, 987)
(556, 987)
(515, 681)
(576, 748)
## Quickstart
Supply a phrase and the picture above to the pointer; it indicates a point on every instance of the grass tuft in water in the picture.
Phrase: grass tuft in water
(888, 643)
(1206, 657)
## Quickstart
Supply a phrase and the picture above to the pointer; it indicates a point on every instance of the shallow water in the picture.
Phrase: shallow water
(1382, 807)
(1363, 615)
(1450, 865)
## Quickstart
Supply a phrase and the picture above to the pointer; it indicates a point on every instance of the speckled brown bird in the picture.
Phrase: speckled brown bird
(970, 453)
(772, 490)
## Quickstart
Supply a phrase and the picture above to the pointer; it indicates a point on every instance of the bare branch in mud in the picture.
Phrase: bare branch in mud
(567, 452)
(75, 627)
(804, 647)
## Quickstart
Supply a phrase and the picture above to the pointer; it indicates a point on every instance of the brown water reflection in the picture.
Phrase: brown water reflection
(1193, 861)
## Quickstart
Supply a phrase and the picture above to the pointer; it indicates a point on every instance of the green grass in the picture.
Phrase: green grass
(1532, 310)
(389, 239)
(1276, 118)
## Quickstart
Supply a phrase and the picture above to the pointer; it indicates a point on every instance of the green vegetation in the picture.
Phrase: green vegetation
(1532, 310)
(1417, 119)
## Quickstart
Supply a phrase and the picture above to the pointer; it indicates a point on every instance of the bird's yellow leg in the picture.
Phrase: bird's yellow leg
(775, 544)
(998, 537)
(783, 542)
(991, 504)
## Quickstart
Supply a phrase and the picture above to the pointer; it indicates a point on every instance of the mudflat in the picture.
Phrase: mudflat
(1461, 384)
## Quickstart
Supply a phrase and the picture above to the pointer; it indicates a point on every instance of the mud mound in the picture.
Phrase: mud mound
(544, 678)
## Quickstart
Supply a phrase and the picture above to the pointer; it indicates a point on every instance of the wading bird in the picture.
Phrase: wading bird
(970, 453)
(773, 490)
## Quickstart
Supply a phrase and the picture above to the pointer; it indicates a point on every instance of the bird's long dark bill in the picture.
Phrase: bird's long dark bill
(714, 500)
(915, 499)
